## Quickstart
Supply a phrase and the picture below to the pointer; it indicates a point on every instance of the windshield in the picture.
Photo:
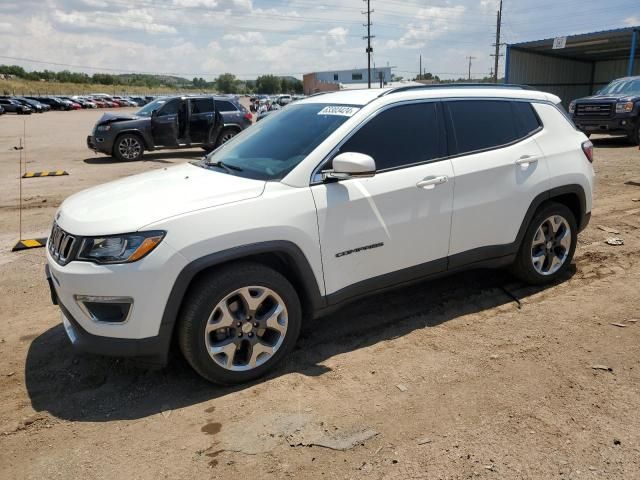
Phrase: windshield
(271, 148)
(625, 87)
(150, 107)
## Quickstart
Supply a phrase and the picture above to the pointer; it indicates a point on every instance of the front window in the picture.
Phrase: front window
(622, 87)
(274, 146)
(150, 107)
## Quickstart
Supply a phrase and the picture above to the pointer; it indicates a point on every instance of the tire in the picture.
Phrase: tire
(242, 332)
(128, 148)
(226, 135)
(550, 238)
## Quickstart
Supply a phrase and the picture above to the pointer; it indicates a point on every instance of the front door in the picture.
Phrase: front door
(165, 124)
(201, 119)
(392, 227)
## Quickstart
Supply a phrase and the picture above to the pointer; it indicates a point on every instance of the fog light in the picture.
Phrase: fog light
(105, 309)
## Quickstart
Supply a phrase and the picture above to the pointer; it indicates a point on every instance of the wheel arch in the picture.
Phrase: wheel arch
(283, 256)
(132, 131)
(572, 196)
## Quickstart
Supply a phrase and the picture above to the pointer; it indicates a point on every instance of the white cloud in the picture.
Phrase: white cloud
(632, 21)
(432, 22)
(245, 38)
(130, 19)
(338, 35)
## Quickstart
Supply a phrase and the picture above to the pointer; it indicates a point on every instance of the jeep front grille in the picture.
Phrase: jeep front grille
(594, 109)
(61, 245)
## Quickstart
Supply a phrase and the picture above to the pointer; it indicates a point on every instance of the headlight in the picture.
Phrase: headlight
(103, 128)
(119, 248)
(624, 107)
(572, 107)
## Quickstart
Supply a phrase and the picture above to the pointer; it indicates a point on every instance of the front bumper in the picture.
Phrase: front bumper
(100, 144)
(145, 333)
(613, 125)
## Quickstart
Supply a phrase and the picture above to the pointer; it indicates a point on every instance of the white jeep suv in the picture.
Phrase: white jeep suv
(334, 197)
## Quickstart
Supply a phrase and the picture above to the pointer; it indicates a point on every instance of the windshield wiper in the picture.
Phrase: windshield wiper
(224, 166)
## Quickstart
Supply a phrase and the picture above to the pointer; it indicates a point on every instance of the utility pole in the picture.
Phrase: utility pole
(497, 45)
(368, 39)
(420, 71)
(470, 58)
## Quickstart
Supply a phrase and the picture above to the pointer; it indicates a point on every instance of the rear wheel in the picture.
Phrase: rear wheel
(226, 135)
(548, 245)
(238, 323)
(128, 148)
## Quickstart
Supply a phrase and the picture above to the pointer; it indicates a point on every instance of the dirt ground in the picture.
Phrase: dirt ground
(473, 376)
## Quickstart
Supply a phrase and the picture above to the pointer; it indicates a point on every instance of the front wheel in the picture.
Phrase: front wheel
(548, 245)
(128, 148)
(238, 323)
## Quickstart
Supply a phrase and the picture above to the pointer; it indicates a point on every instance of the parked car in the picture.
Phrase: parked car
(171, 122)
(235, 116)
(14, 106)
(34, 104)
(71, 103)
(331, 199)
(99, 102)
(53, 102)
(1, 110)
(614, 110)
(84, 102)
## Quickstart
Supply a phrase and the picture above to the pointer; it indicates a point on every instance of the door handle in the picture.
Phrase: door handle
(431, 182)
(527, 160)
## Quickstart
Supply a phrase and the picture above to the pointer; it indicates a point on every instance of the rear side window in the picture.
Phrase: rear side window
(400, 136)
(527, 119)
(202, 105)
(482, 124)
(224, 106)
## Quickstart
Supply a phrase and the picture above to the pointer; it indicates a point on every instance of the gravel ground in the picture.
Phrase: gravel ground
(473, 376)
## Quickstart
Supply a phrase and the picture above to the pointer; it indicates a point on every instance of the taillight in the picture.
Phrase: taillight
(587, 148)
(248, 116)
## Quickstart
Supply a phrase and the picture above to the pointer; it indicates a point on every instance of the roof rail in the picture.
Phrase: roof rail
(455, 85)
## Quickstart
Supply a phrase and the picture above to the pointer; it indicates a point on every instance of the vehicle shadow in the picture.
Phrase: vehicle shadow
(159, 157)
(611, 142)
(97, 389)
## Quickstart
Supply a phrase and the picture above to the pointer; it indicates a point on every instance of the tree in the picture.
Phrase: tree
(226, 83)
(268, 84)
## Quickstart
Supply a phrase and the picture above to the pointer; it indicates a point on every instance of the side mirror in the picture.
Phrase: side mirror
(352, 164)
(154, 113)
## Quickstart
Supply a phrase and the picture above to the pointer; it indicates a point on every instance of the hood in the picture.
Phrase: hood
(622, 97)
(128, 204)
(116, 117)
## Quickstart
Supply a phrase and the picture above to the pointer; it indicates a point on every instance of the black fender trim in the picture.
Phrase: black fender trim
(297, 261)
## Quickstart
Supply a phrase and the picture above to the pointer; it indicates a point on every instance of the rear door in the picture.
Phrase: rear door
(164, 124)
(230, 114)
(201, 119)
(499, 169)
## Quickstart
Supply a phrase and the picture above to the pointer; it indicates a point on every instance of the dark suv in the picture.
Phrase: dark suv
(615, 109)
(166, 123)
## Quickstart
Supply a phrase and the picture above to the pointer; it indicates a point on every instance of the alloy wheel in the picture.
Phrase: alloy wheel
(246, 328)
(551, 245)
(129, 148)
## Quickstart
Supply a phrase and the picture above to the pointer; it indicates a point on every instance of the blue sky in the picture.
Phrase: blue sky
(251, 37)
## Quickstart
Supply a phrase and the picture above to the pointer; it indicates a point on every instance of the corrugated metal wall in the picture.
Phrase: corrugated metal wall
(554, 75)
(551, 74)
(610, 69)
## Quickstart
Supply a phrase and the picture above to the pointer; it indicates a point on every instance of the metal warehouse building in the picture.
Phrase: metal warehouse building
(574, 66)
